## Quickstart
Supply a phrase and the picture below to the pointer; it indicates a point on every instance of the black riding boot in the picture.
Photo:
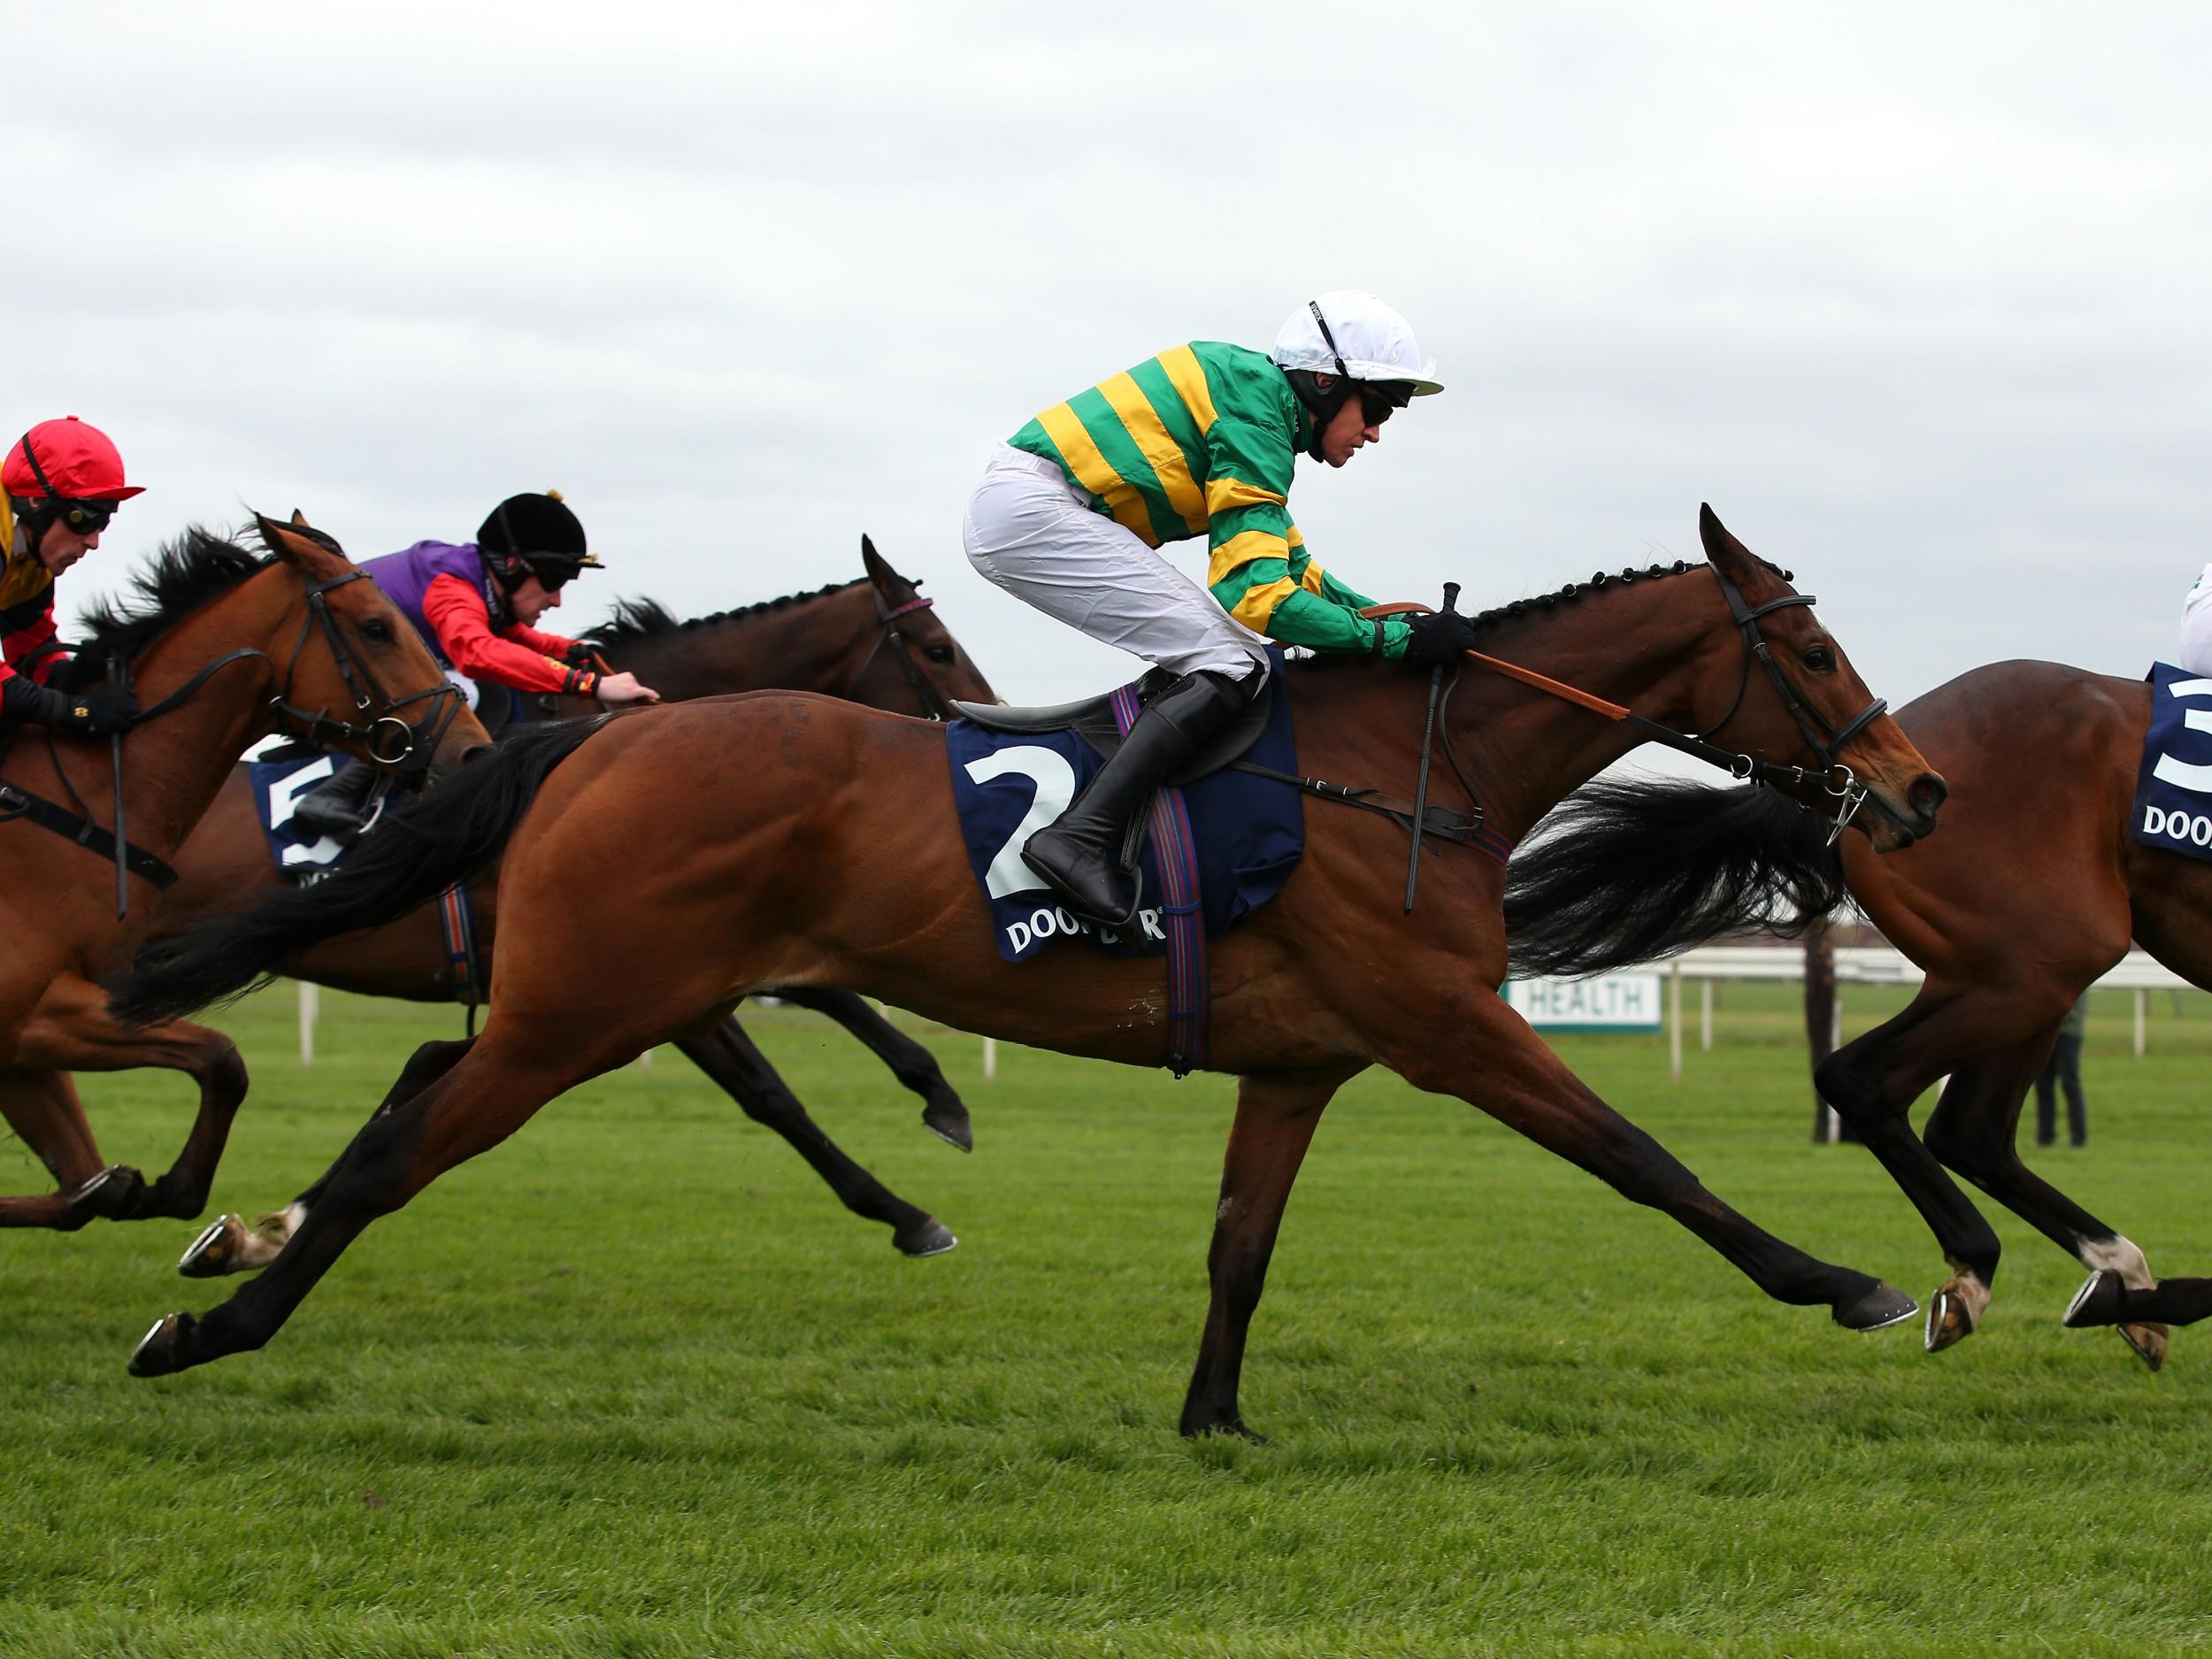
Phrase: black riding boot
(340, 805)
(1079, 854)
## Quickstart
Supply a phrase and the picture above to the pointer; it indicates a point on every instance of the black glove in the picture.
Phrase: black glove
(95, 713)
(1437, 636)
(583, 654)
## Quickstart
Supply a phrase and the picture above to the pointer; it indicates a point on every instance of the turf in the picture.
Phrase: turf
(634, 1385)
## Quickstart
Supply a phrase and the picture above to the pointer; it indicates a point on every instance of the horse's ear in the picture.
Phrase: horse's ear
(299, 518)
(307, 550)
(879, 571)
(1723, 551)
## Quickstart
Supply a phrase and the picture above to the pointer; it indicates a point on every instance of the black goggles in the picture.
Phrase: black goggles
(83, 518)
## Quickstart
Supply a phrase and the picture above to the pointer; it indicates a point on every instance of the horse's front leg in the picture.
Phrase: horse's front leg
(70, 1030)
(1486, 1054)
(727, 1054)
(228, 1245)
(1276, 1117)
(42, 1109)
(944, 1114)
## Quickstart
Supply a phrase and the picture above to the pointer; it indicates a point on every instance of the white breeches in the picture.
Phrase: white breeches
(2196, 627)
(1032, 533)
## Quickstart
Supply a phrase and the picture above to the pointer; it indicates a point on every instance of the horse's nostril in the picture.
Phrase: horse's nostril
(1927, 793)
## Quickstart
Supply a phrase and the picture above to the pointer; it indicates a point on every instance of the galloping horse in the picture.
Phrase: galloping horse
(224, 648)
(874, 640)
(2032, 892)
(816, 845)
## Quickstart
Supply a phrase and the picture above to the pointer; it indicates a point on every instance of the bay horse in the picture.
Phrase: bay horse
(2032, 892)
(875, 640)
(817, 845)
(224, 648)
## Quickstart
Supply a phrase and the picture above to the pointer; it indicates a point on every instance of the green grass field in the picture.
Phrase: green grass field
(634, 1385)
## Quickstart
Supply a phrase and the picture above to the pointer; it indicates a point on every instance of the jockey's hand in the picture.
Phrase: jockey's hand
(113, 709)
(95, 713)
(1437, 636)
(616, 689)
(583, 654)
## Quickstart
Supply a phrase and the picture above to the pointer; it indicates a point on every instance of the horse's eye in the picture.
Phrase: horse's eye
(938, 653)
(1820, 660)
(376, 628)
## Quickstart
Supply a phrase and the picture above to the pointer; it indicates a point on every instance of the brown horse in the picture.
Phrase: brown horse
(224, 648)
(2032, 892)
(816, 846)
(875, 640)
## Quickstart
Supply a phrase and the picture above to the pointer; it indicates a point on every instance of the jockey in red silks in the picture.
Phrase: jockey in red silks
(63, 481)
(476, 606)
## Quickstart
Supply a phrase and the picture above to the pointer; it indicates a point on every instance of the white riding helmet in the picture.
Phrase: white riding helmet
(1351, 332)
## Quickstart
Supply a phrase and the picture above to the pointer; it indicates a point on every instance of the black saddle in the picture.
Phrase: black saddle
(1091, 719)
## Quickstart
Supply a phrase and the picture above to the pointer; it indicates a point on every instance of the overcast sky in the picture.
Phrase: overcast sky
(1914, 296)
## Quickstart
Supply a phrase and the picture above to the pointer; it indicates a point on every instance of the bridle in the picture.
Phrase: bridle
(390, 742)
(403, 750)
(888, 615)
(1833, 779)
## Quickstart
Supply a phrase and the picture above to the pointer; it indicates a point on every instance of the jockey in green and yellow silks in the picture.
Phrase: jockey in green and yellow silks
(1200, 441)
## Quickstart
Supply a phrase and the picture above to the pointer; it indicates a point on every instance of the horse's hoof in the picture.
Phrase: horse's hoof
(933, 1237)
(215, 1252)
(2097, 1303)
(1881, 1306)
(158, 1352)
(1234, 1428)
(106, 1197)
(950, 1125)
(1950, 1321)
(2148, 1342)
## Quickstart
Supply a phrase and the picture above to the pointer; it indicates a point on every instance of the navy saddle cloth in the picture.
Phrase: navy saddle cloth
(1249, 832)
(278, 785)
(2173, 786)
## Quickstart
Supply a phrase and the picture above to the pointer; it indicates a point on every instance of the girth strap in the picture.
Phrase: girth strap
(16, 801)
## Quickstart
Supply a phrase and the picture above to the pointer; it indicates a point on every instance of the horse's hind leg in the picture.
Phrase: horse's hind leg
(512, 1069)
(42, 1108)
(228, 1245)
(1276, 1117)
(71, 1030)
(727, 1054)
(1974, 1129)
(943, 1112)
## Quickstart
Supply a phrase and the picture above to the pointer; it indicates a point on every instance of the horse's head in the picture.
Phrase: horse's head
(1783, 687)
(914, 665)
(351, 672)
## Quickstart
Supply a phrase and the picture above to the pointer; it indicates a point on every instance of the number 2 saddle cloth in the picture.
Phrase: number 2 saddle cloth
(1012, 777)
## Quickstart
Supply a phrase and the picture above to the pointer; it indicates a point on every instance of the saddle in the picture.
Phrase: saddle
(1091, 719)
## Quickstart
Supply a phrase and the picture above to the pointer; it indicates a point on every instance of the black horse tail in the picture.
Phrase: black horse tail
(451, 833)
(1623, 872)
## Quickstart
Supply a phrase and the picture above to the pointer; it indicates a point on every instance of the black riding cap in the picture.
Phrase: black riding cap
(536, 530)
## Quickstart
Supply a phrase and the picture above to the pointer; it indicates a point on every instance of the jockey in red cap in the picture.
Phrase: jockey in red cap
(476, 605)
(63, 480)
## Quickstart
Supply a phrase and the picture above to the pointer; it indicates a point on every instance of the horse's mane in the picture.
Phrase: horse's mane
(1515, 610)
(634, 621)
(187, 572)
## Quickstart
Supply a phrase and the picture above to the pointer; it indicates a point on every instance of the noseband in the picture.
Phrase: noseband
(887, 616)
(405, 750)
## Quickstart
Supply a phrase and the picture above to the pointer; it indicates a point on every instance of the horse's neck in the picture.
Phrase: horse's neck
(805, 646)
(1525, 750)
(173, 767)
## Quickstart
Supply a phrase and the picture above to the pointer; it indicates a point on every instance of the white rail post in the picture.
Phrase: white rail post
(2142, 1010)
(1674, 1017)
(1705, 994)
(990, 1058)
(311, 1011)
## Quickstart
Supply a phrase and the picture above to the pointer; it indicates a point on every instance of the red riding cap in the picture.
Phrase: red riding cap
(78, 460)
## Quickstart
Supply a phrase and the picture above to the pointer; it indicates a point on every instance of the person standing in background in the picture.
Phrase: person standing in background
(2064, 1069)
